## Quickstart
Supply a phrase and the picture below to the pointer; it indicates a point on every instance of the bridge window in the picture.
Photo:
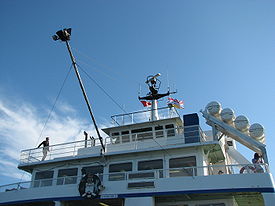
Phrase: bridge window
(98, 169)
(67, 176)
(151, 165)
(159, 131)
(170, 130)
(92, 170)
(115, 138)
(43, 179)
(182, 166)
(143, 133)
(125, 136)
(119, 171)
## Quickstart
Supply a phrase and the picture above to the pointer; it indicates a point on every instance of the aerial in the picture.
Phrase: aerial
(204, 50)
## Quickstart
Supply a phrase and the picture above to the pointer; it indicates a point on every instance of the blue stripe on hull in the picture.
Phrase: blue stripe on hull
(149, 194)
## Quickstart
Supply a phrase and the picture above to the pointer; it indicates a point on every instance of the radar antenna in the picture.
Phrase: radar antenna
(154, 84)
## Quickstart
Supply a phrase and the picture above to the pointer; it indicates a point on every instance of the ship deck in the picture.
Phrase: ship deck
(157, 183)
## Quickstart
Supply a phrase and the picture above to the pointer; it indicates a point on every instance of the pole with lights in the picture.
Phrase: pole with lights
(65, 36)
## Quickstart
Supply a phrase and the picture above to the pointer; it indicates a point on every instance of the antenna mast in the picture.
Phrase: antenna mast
(65, 35)
(154, 85)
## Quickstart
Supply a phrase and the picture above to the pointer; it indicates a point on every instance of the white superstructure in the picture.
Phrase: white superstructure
(169, 161)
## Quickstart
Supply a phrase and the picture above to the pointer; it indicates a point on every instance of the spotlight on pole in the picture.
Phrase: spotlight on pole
(63, 35)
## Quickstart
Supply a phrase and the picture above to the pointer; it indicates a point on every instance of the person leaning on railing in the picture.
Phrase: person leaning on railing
(46, 149)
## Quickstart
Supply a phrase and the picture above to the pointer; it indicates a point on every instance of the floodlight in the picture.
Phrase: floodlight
(55, 37)
(63, 35)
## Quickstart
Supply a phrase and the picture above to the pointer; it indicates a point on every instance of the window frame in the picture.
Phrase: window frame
(43, 182)
(182, 172)
(118, 176)
(67, 179)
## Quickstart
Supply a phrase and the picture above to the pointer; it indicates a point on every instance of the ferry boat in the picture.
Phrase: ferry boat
(152, 158)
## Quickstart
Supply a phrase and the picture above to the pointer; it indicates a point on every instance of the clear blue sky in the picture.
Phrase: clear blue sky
(207, 50)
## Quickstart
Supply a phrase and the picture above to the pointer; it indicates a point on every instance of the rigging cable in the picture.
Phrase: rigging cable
(98, 64)
(94, 61)
(104, 91)
(56, 99)
(48, 118)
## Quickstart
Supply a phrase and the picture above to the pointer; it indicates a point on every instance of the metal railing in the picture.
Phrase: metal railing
(145, 174)
(143, 116)
(56, 151)
(72, 148)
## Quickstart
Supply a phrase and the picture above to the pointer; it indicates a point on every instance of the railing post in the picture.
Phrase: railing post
(29, 156)
(135, 135)
(266, 168)
(50, 157)
(74, 150)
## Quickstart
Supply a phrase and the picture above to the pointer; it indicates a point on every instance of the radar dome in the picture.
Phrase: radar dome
(214, 108)
(241, 123)
(256, 131)
(227, 115)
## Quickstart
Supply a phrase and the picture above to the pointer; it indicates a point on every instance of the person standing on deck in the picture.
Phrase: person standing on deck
(257, 161)
(46, 149)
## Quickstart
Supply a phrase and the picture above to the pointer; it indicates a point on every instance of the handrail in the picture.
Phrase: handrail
(141, 111)
(58, 144)
(57, 150)
(75, 148)
(132, 114)
(165, 173)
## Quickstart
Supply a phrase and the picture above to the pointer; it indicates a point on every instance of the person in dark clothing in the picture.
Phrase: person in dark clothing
(257, 161)
(46, 149)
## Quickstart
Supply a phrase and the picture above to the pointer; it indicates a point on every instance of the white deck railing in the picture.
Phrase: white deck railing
(145, 174)
(72, 149)
(56, 151)
(143, 116)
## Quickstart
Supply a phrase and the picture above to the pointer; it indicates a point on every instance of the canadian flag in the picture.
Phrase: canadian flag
(146, 104)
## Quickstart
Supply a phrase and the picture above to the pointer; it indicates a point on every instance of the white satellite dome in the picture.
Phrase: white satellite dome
(214, 108)
(241, 123)
(256, 131)
(227, 115)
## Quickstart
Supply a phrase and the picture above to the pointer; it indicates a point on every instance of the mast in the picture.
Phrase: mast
(154, 85)
(65, 35)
